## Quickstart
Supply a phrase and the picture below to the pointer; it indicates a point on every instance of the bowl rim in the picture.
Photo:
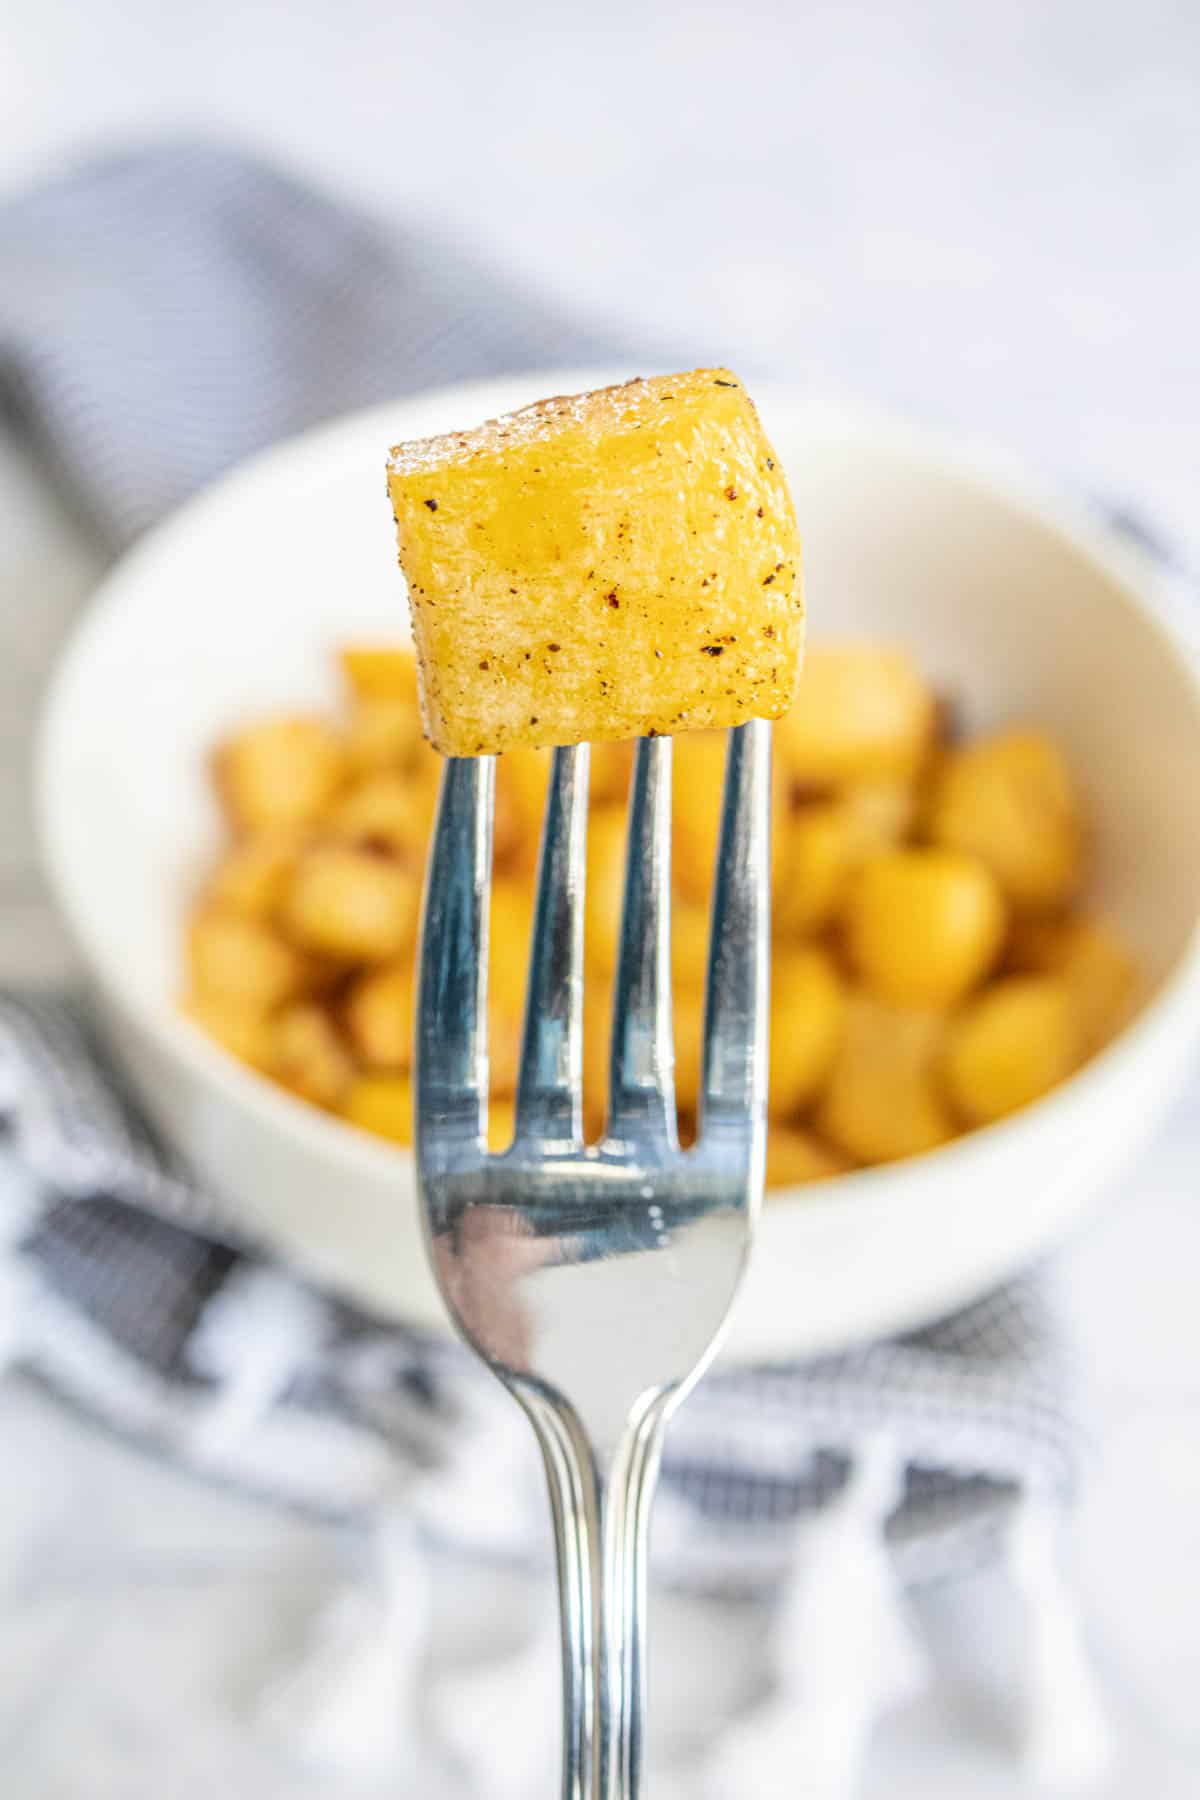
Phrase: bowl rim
(1138, 584)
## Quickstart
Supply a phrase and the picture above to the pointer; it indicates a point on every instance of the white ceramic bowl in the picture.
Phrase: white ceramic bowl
(233, 607)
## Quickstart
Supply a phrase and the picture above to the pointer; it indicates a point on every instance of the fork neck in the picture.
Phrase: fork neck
(601, 1509)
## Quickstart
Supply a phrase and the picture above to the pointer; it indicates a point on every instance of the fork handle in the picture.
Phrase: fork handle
(601, 1510)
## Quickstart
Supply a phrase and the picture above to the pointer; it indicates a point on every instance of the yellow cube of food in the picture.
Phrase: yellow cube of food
(689, 945)
(612, 765)
(923, 925)
(384, 733)
(697, 803)
(861, 711)
(510, 925)
(379, 1016)
(808, 1009)
(381, 672)
(501, 1124)
(689, 1042)
(282, 772)
(388, 811)
(820, 843)
(307, 1055)
(241, 1027)
(1009, 799)
(796, 1156)
(607, 565)
(522, 778)
(382, 1105)
(1104, 979)
(698, 785)
(252, 877)
(597, 1017)
(605, 890)
(1012, 1044)
(351, 905)
(882, 1100)
(814, 857)
(880, 813)
(235, 959)
(1097, 967)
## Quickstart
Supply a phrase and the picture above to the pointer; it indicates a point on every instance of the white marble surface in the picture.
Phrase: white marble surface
(983, 216)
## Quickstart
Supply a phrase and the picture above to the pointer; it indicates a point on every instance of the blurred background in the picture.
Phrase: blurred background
(979, 217)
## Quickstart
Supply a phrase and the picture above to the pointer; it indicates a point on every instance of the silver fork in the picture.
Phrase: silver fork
(595, 1280)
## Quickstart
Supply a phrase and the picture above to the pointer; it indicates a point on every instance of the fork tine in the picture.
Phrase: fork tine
(550, 1087)
(451, 1047)
(733, 1086)
(642, 1078)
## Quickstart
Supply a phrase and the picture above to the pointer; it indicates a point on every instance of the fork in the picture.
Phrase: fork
(595, 1279)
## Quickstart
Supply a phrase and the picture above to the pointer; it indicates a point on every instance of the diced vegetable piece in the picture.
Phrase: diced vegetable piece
(384, 734)
(814, 857)
(386, 811)
(351, 905)
(689, 1042)
(1009, 799)
(379, 1016)
(882, 1101)
(235, 959)
(606, 565)
(808, 1008)
(240, 1027)
(380, 672)
(605, 888)
(306, 1055)
(522, 778)
(382, 1105)
(1099, 970)
(252, 877)
(881, 813)
(510, 925)
(1013, 1044)
(501, 1124)
(861, 711)
(820, 843)
(279, 773)
(689, 945)
(923, 926)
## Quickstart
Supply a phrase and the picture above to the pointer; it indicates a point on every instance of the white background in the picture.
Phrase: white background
(980, 211)
(982, 215)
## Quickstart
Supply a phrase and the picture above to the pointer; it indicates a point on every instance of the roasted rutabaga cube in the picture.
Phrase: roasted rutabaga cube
(605, 565)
